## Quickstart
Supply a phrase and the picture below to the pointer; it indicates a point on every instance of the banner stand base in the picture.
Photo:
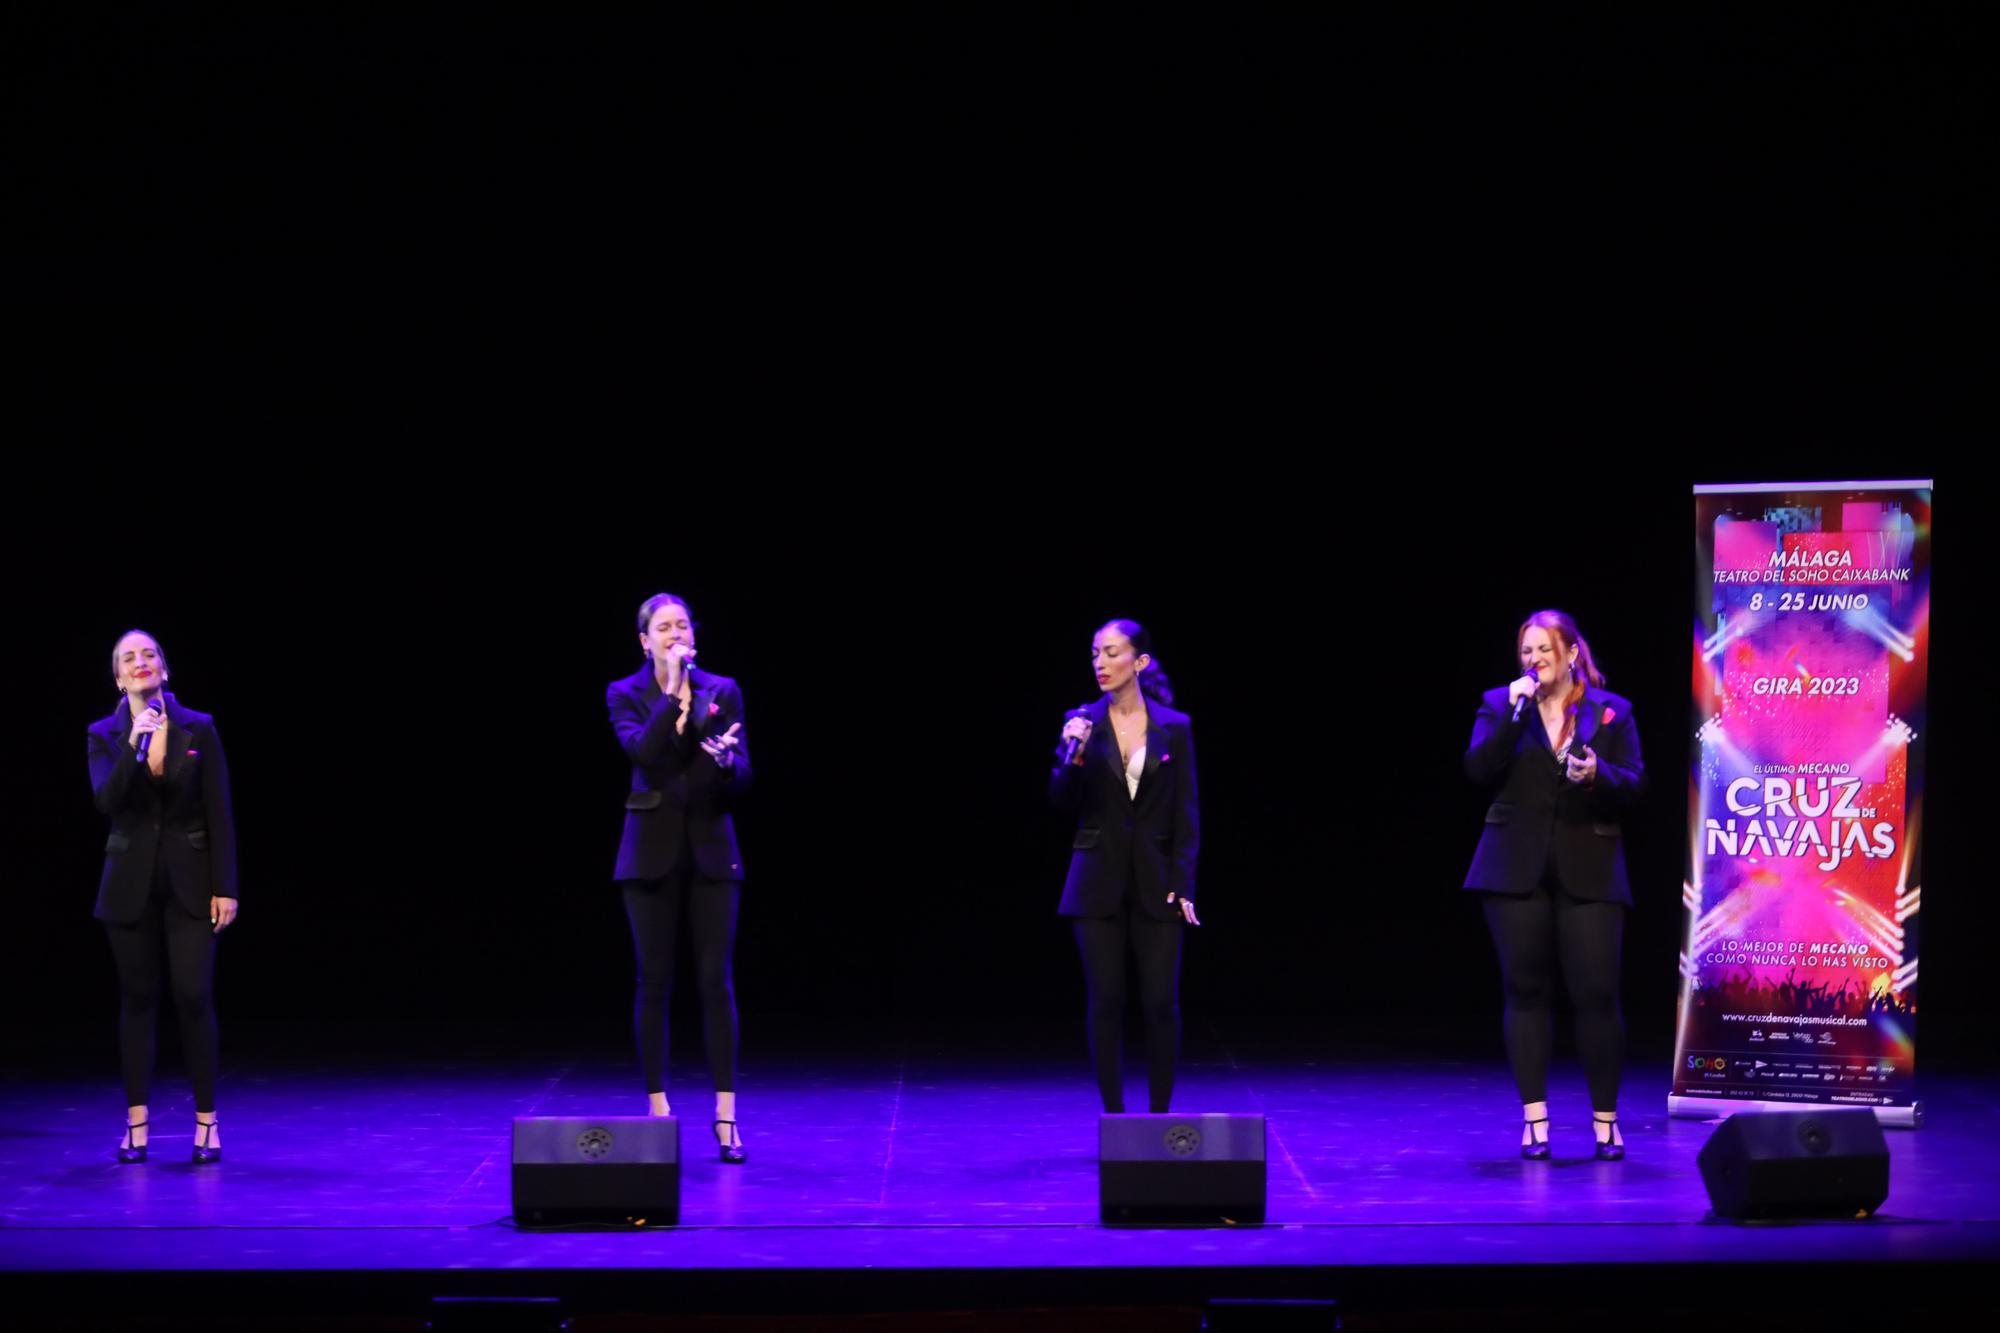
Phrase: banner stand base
(1712, 1108)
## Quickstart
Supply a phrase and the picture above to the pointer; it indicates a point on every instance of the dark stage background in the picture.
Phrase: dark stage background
(429, 796)
(394, 358)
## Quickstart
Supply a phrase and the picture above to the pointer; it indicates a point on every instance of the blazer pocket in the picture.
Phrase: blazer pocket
(117, 842)
(1605, 830)
(198, 839)
(642, 800)
(1499, 814)
(1085, 839)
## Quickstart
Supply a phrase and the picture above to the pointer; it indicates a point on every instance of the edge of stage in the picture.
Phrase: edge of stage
(926, 1173)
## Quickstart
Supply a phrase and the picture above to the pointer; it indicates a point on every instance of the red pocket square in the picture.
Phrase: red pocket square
(713, 708)
(1605, 721)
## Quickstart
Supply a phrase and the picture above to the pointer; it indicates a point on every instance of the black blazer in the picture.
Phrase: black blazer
(181, 818)
(1150, 839)
(679, 797)
(1540, 819)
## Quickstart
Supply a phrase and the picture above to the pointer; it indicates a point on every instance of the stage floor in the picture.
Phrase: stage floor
(386, 1153)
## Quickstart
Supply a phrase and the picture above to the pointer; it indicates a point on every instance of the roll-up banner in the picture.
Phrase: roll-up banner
(1805, 799)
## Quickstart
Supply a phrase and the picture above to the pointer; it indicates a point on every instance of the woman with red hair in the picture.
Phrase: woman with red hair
(1562, 753)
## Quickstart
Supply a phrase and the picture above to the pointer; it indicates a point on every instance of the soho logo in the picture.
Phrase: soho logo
(1717, 1063)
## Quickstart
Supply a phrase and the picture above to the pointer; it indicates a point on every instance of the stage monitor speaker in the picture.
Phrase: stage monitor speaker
(1768, 1164)
(1180, 1168)
(620, 1170)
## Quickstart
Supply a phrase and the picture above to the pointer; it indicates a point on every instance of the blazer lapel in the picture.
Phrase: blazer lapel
(119, 727)
(1156, 745)
(1539, 733)
(1104, 739)
(647, 687)
(177, 738)
(1587, 713)
(701, 698)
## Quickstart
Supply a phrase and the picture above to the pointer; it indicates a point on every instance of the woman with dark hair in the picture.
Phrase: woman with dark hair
(682, 728)
(1550, 868)
(1125, 768)
(169, 881)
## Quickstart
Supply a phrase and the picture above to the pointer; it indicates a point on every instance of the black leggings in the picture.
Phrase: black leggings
(190, 950)
(654, 907)
(1530, 932)
(1156, 946)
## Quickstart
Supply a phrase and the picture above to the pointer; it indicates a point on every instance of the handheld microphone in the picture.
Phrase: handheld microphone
(1066, 753)
(1522, 702)
(153, 705)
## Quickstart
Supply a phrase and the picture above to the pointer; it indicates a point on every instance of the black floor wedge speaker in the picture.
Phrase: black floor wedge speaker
(1180, 1168)
(1775, 1164)
(618, 1170)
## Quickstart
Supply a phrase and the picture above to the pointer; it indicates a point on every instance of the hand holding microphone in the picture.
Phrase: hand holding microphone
(1075, 735)
(143, 726)
(676, 661)
(1522, 690)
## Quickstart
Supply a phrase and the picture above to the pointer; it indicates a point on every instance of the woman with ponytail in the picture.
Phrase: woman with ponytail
(682, 728)
(1563, 753)
(1125, 768)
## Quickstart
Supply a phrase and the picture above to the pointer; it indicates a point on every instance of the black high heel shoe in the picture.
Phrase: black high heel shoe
(732, 1146)
(1535, 1150)
(202, 1151)
(1609, 1149)
(128, 1151)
